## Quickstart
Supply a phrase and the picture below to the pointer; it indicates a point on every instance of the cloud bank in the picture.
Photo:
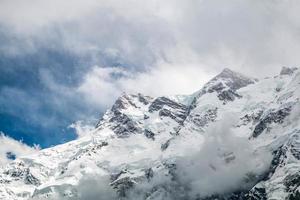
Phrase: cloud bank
(68, 61)
(12, 149)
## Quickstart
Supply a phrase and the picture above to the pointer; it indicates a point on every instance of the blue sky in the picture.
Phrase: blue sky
(65, 61)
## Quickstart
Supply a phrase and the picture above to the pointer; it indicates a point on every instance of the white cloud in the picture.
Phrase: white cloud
(82, 128)
(244, 35)
(165, 47)
(101, 86)
(225, 163)
(17, 148)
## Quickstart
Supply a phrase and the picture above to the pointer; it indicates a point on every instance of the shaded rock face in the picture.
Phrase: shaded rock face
(287, 70)
(165, 145)
(225, 85)
(228, 95)
(272, 117)
(161, 102)
(232, 79)
(169, 108)
(126, 101)
(202, 119)
(22, 172)
(122, 125)
(122, 186)
(253, 194)
(149, 134)
(251, 117)
(292, 183)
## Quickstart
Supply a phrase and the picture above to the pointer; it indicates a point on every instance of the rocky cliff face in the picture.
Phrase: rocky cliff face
(236, 138)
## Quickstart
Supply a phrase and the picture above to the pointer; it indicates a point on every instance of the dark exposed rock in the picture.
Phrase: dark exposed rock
(292, 181)
(228, 95)
(115, 176)
(294, 196)
(202, 119)
(288, 70)
(122, 103)
(251, 117)
(233, 79)
(178, 117)
(149, 173)
(256, 193)
(171, 167)
(149, 134)
(278, 160)
(165, 145)
(160, 102)
(225, 85)
(169, 108)
(21, 172)
(216, 88)
(292, 184)
(122, 125)
(232, 196)
(144, 99)
(272, 117)
(30, 179)
(122, 186)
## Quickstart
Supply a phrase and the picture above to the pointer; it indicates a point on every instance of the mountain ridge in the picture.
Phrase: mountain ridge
(155, 148)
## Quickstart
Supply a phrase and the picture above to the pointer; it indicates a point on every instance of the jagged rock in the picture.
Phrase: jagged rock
(251, 117)
(153, 169)
(122, 125)
(178, 117)
(122, 102)
(278, 160)
(216, 88)
(231, 79)
(257, 193)
(272, 117)
(160, 102)
(225, 85)
(149, 173)
(169, 108)
(288, 70)
(144, 99)
(122, 186)
(22, 172)
(292, 183)
(228, 95)
(165, 145)
(202, 119)
(149, 134)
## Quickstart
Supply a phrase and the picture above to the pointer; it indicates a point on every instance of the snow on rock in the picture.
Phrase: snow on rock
(235, 138)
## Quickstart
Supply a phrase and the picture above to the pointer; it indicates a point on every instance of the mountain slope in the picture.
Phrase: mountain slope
(236, 138)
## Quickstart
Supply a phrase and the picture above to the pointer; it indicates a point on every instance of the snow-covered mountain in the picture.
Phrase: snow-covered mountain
(236, 138)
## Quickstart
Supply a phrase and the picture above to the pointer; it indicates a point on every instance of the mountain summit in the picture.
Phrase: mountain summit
(235, 139)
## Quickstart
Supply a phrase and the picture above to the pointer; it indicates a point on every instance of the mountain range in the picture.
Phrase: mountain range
(236, 138)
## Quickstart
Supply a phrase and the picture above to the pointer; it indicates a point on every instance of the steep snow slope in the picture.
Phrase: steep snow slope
(236, 138)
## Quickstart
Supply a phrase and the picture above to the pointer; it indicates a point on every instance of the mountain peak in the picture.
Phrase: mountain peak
(288, 70)
(231, 79)
(127, 100)
(230, 74)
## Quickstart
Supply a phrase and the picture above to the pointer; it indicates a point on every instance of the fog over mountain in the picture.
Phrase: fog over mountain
(68, 61)
(131, 99)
